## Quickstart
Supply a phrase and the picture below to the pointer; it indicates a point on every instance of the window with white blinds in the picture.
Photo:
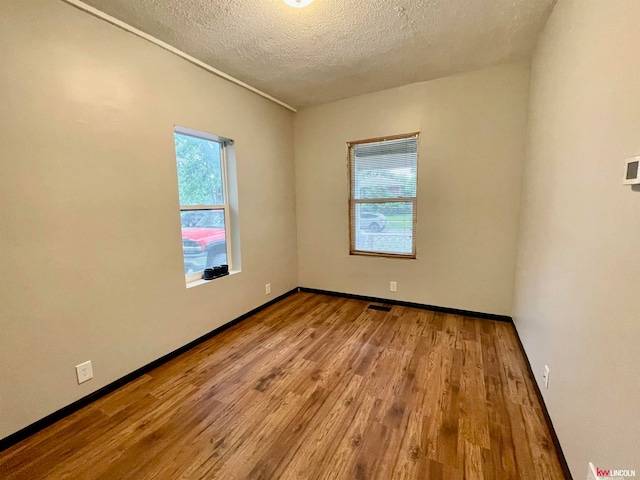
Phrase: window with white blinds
(382, 196)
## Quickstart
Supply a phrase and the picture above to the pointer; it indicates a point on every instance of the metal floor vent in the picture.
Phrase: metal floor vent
(382, 308)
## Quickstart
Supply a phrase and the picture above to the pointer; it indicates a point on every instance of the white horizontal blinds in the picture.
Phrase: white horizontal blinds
(382, 209)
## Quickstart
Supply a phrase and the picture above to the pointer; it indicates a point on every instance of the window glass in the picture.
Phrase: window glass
(204, 209)
(383, 185)
(200, 180)
(204, 244)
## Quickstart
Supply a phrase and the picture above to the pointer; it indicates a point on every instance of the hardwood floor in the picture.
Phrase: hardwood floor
(314, 387)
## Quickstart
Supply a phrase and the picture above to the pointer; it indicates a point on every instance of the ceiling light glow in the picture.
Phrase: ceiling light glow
(298, 3)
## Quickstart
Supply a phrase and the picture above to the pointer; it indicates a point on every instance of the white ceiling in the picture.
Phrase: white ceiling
(335, 49)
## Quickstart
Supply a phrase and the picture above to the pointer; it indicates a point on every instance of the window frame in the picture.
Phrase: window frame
(224, 143)
(353, 202)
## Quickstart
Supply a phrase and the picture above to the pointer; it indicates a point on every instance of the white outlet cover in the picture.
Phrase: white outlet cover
(267, 288)
(84, 372)
(393, 286)
(545, 376)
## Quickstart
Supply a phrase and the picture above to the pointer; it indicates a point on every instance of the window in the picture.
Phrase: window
(382, 196)
(201, 161)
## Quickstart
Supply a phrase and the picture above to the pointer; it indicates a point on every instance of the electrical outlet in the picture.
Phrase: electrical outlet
(267, 289)
(393, 286)
(545, 377)
(84, 371)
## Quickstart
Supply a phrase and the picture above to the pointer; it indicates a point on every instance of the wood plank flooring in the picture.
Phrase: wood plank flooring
(314, 387)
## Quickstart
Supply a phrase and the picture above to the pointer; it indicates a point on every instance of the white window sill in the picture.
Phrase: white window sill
(200, 281)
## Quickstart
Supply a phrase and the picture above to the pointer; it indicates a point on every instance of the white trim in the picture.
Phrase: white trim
(192, 277)
(200, 281)
(190, 132)
(125, 26)
(202, 206)
(225, 195)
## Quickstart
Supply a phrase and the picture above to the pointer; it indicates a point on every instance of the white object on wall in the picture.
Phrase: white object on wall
(632, 171)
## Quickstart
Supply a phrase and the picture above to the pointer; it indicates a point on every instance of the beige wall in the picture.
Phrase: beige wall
(576, 302)
(90, 249)
(469, 182)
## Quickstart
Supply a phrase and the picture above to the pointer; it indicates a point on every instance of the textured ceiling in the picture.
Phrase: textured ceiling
(335, 49)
